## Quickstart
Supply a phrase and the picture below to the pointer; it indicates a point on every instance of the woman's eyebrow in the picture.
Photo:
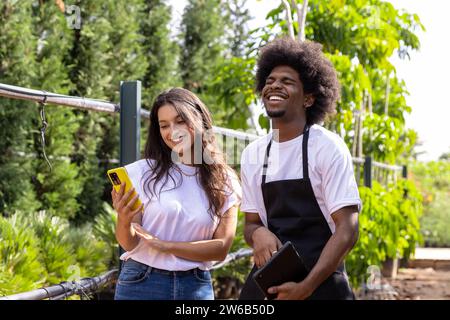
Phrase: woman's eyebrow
(175, 118)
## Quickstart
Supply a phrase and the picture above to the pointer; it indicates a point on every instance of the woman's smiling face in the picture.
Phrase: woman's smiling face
(175, 132)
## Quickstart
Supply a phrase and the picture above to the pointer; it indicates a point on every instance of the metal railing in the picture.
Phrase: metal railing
(86, 287)
(63, 290)
(82, 103)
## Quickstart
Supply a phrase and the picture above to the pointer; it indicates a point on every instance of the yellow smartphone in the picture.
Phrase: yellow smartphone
(119, 175)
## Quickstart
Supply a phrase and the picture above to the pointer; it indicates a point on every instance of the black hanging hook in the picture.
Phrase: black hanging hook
(43, 128)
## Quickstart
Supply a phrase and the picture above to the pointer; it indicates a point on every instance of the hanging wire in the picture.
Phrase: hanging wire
(43, 128)
(80, 290)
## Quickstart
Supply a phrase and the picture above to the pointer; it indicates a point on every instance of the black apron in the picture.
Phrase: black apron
(293, 214)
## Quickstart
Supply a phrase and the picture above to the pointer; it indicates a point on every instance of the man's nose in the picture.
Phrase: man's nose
(276, 84)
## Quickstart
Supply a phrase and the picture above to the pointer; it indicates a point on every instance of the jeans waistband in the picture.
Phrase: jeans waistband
(168, 272)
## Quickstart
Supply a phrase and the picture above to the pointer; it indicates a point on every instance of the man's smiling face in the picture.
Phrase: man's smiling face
(283, 94)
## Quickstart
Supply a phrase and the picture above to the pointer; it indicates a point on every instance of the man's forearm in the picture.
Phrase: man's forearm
(334, 252)
(248, 231)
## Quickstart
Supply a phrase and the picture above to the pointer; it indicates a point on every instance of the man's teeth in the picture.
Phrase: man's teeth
(277, 98)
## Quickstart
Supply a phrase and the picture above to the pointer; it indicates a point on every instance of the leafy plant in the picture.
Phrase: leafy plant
(433, 179)
(104, 228)
(389, 227)
(37, 249)
(20, 265)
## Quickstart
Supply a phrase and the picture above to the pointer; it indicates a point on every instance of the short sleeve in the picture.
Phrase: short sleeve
(339, 185)
(234, 196)
(248, 198)
(134, 171)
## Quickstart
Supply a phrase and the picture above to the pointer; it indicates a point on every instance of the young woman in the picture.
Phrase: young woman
(188, 214)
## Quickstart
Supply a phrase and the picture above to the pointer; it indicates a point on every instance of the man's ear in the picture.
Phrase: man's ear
(309, 100)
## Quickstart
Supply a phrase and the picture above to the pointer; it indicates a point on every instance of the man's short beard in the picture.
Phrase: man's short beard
(275, 113)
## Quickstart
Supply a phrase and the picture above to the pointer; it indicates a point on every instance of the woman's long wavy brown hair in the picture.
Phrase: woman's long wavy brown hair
(213, 177)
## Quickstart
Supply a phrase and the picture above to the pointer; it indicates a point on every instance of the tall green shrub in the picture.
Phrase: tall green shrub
(56, 189)
(17, 67)
(202, 46)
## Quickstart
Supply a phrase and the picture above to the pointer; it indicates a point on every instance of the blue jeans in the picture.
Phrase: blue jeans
(138, 281)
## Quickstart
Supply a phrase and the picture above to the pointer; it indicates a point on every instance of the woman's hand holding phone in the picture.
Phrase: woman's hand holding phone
(123, 204)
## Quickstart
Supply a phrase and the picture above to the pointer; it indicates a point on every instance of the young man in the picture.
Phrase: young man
(298, 182)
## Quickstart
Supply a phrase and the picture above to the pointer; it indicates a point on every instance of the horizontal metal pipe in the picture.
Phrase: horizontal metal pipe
(387, 166)
(358, 160)
(39, 96)
(235, 134)
(65, 289)
(241, 253)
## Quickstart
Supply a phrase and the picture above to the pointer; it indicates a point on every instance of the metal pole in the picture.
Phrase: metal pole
(130, 126)
(15, 92)
(368, 172)
(130, 121)
(405, 171)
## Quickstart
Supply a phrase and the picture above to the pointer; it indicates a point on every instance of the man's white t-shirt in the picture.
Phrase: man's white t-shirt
(329, 164)
(176, 214)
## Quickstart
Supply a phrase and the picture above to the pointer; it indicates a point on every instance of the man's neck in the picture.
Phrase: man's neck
(288, 130)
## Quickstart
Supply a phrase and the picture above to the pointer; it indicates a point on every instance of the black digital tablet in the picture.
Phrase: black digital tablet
(284, 266)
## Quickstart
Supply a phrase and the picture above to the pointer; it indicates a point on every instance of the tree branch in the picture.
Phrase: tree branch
(302, 21)
(289, 19)
(298, 8)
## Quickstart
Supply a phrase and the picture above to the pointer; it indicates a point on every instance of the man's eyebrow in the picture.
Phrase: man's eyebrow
(282, 78)
(288, 78)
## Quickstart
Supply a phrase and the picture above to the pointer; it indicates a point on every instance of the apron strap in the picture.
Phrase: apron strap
(305, 152)
(265, 165)
(304, 155)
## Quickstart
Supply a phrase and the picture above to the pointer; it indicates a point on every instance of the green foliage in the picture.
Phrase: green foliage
(106, 49)
(386, 138)
(359, 37)
(17, 67)
(92, 254)
(20, 265)
(37, 249)
(435, 222)
(202, 27)
(89, 63)
(237, 17)
(433, 180)
(232, 90)
(160, 51)
(104, 228)
(388, 227)
(56, 251)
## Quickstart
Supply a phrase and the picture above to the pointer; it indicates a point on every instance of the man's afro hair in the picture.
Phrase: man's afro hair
(315, 71)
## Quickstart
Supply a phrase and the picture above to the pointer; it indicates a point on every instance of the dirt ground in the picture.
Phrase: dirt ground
(412, 284)
(422, 284)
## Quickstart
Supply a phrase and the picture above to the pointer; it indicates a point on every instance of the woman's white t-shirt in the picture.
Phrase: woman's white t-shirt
(176, 214)
(329, 164)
